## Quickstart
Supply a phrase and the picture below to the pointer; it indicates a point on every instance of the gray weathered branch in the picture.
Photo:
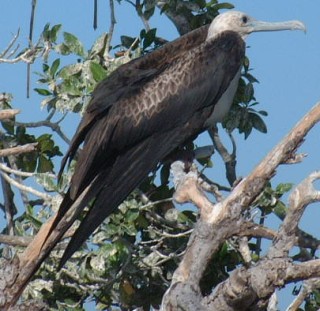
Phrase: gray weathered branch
(18, 150)
(6, 114)
(246, 287)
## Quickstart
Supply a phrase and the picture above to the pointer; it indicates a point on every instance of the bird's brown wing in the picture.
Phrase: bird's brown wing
(125, 81)
(125, 142)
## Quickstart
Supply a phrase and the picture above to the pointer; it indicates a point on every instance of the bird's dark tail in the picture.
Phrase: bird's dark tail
(110, 190)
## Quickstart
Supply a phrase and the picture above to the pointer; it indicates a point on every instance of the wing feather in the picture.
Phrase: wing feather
(133, 122)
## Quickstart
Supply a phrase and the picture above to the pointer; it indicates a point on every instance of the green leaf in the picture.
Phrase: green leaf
(263, 113)
(54, 32)
(28, 162)
(283, 188)
(258, 123)
(248, 93)
(46, 181)
(62, 49)
(46, 32)
(54, 67)
(70, 70)
(73, 43)
(223, 5)
(280, 210)
(44, 165)
(43, 92)
(127, 41)
(131, 215)
(149, 38)
(46, 144)
(71, 86)
(45, 67)
(148, 13)
(30, 216)
(251, 78)
(99, 46)
(98, 72)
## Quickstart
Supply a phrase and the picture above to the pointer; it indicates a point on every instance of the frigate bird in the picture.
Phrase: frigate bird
(148, 107)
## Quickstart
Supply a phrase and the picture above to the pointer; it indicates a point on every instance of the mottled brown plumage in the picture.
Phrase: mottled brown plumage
(144, 110)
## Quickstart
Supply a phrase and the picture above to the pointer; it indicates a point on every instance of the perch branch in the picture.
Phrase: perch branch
(218, 223)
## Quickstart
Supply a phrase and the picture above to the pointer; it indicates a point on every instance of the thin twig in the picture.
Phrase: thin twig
(95, 14)
(111, 29)
(10, 45)
(9, 170)
(54, 127)
(9, 208)
(28, 57)
(33, 9)
(44, 196)
(229, 159)
(151, 204)
(175, 235)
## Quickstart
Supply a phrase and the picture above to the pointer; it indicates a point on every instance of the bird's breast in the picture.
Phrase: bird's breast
(223, 105)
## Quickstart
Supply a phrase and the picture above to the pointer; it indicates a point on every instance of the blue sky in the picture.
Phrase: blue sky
(287, 64)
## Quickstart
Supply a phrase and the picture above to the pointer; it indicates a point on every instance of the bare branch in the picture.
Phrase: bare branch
(28, 56)
(47, 198)
(9, 170)
(8, 113)
(10, 45)
(218, 223)
(15, 240)
(299, 199)
(54, 126)
(179, 20)
(307, 288)
(9, 207)
(111, 29)
(229, 159)
(18, 150)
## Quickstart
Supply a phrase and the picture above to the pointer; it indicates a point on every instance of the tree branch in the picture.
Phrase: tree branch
(111, 29)
(18, 150)
(300, 198)
(8, 113)
(179, 20)
(47, 198)
(15, 240)
(219, 222)
(229, 159)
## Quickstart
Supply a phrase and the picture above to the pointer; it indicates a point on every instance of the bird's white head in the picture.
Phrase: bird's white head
(244, 24)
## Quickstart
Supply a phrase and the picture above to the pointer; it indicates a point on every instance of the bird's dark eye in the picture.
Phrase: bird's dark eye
(244, 19)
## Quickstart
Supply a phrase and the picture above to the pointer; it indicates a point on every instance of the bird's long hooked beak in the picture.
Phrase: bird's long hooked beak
(256, 25)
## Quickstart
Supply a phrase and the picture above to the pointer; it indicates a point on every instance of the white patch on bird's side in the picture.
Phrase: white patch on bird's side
(222, 107)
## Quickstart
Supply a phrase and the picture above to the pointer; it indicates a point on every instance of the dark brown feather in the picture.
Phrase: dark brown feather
(143, 111)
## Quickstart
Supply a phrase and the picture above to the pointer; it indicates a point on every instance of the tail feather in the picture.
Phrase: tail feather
(127, 173)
